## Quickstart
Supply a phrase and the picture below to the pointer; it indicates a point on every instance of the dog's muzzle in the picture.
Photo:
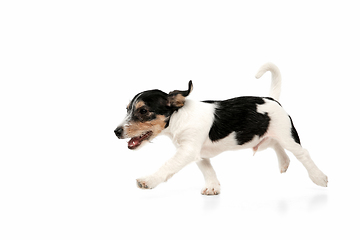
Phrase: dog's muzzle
(119, 132)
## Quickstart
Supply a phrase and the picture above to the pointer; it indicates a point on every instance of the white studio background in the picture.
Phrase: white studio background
(69, 68)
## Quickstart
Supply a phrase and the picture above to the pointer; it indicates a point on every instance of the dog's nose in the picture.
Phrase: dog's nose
(119, 131)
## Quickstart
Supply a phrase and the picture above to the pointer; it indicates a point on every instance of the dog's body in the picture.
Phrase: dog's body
(202, 130)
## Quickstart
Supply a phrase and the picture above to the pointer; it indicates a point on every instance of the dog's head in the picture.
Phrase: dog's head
(148, 113)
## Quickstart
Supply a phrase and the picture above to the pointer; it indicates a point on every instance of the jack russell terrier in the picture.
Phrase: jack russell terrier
(202, 130)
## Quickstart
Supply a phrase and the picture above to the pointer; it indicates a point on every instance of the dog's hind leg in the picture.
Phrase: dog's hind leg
(283, 158)
(315, 174)
(212, 185)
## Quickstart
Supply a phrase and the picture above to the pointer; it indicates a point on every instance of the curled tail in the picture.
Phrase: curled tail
(275, 79)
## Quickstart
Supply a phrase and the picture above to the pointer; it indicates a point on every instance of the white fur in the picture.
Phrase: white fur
(188, 136)
(189, 130)
(275, 79)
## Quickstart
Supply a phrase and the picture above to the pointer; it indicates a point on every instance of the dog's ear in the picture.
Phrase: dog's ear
(177, 98)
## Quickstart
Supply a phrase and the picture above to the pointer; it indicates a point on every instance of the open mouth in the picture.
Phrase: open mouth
(136, 141)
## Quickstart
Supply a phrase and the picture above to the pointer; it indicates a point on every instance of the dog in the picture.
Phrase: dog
(201, 130)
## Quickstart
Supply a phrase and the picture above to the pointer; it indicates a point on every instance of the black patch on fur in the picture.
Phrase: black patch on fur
(294, 133)
(155, 104)
(238, 115)
(155, 101)
(270, 98)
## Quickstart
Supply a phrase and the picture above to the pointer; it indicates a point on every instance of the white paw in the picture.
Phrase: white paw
(149, 182)
(319, 178)
(284, 164)
(211, 189)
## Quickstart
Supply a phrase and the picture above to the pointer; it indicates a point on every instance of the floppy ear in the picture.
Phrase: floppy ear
(177, 98)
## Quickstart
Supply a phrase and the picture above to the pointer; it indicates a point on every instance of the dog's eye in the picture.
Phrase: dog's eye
(143, 111)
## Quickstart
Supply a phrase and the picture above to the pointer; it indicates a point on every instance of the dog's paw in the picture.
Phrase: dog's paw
(319, 178)
(147, 182)
(211, 189)
(141, 184)
(284, 164)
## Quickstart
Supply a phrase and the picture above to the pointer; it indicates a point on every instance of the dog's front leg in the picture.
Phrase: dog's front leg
(184, 155)
(212, 185)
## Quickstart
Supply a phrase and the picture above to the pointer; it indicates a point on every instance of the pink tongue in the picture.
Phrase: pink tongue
(134, 142)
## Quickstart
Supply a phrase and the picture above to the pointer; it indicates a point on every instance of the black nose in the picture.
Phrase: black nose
(119, 131)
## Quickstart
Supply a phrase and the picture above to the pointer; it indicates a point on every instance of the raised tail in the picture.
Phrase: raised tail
(275, 79)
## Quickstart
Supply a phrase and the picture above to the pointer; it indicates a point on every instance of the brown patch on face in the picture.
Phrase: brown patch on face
(139, 104)
(136, 128)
